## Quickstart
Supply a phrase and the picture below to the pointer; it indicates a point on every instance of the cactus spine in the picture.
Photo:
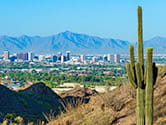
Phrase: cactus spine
(141, 80)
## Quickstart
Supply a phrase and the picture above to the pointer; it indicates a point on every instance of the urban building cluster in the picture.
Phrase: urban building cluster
(67, 58)
(101, 59)
(18, 56)
(62, 58)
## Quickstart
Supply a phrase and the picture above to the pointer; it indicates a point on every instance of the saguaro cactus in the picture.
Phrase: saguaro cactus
(135, 73)
(142, 79)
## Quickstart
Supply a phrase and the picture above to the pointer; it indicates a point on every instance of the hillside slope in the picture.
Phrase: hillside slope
(115, 108)
(30, 103)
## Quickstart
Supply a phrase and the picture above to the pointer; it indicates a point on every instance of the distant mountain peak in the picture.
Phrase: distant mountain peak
(67, 32)
(77, 43)
(157, 38)
(24, 36)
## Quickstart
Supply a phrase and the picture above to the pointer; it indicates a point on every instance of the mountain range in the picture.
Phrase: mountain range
(74, 42)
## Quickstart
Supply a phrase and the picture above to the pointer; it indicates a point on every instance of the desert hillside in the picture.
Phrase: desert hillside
(34, 103)
(80, 106)
(115, 108)
(30, 103)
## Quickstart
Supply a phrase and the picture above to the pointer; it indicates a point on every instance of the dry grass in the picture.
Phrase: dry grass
(100, 110)
(115, 108)
(8, 122)
(78, 116)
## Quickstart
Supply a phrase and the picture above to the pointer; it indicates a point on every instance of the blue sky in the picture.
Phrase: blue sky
(103, 18)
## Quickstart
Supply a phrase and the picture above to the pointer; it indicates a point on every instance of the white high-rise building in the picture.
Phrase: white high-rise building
(62, 58)
(110, 58)
(6, 55)
(30, 56)
(83, 58)
(117, 58)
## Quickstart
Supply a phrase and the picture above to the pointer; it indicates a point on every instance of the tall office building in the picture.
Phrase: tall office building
(67, 55)
(83, 58)
(110, 58)
(22, 56)
(105, 58)
(6, 55)
(117, 58)
(54, 58)
(62, 58)
(30, 56)
(59, 56)
(25, 56)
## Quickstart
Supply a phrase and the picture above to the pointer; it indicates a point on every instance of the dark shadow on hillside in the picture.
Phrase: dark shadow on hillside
(29, 103)
(34, 101)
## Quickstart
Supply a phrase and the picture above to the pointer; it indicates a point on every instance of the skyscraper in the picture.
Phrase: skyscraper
(67, 55)
(105, 58)
(54, 58)
(62, 59)
(6, 55)
(59, 56)
(22, 56)
(110, 58)
(117, 58)
(82, 57)
(30, 56)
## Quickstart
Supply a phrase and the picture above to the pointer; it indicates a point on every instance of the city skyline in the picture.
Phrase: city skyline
(59, 57)
(68, 58)
(107, 19)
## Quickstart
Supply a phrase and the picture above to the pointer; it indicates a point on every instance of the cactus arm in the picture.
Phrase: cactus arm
(130, 75)
(140, 44)
(132, 65)
(131, 48)
(140, 37)
(149, 88)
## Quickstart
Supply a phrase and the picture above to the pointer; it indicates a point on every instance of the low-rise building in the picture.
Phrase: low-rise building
(73, 85)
